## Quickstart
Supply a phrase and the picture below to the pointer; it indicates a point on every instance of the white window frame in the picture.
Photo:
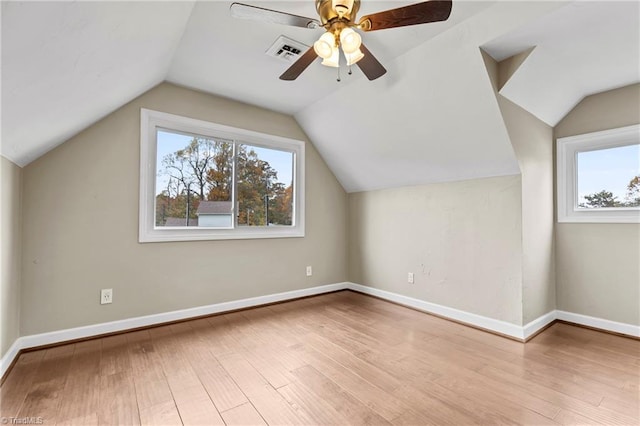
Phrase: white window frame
(151, 121)
(567, 150)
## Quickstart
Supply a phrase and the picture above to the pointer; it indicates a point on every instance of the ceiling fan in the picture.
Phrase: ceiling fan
(338, 18)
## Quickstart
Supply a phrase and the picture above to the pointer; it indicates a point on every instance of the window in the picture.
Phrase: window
(205, 181)
(599, 176)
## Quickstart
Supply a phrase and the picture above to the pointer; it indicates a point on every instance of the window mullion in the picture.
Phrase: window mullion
(234, 184)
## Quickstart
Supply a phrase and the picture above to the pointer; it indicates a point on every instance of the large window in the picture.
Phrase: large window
(599, 176)
(202, 181)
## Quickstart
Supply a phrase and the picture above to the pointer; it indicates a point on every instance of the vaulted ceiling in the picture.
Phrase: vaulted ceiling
(433, 117)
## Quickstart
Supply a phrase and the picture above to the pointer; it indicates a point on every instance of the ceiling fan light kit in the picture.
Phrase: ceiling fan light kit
(327, 47)
(338, 18)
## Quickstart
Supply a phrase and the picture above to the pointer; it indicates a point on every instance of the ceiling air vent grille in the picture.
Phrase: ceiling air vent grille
(286, 49)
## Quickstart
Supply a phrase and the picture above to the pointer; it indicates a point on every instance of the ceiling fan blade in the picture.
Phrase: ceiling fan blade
(300, 65)
(370, 65)
(420, 13)
(245, 11)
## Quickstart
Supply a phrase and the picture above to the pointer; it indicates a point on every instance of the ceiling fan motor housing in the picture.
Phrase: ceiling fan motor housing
(327, 12)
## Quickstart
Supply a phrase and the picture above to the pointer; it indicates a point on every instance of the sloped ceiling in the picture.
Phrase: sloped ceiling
(65, 65)
(433, 117)
(581, 49)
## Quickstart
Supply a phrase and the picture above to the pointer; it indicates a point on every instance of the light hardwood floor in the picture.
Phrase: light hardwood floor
(341, 358)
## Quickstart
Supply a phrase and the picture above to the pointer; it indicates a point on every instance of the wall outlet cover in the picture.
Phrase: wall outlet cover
(106, 296)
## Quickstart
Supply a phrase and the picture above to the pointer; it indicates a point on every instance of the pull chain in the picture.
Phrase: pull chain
(338, 79)
(350, 70)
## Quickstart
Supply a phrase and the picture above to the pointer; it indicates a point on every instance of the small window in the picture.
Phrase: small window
(599, 176)
(202, 181)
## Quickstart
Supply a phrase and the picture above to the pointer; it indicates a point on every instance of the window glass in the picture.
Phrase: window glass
(193, 181)
(265, 186)
(608, 178)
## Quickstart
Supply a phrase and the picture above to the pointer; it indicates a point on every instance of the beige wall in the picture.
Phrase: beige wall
(532, 141)
(80, 205)
(10, 235)
(462, 240)
(598, 265)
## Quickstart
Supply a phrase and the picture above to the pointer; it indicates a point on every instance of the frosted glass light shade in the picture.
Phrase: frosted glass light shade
(333, 60)
(350, 40)
(354, 57)
(325, 46)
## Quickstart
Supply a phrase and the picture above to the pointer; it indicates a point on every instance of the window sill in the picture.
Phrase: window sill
(168, 235)
(605, 216)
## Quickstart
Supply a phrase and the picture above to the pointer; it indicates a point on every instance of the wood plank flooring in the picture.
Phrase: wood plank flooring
(341, 358)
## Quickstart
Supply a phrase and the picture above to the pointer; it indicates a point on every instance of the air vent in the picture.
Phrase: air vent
(286, 49)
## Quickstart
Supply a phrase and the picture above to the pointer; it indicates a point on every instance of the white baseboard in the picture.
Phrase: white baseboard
(497, 326)
(9, 356)
(538, 324)
(475, 320)
(490, 324)
(603, 324)
(35, 340)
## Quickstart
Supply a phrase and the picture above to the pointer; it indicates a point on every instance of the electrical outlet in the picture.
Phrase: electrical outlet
(106, 296)
(309, 271)
(410, 278)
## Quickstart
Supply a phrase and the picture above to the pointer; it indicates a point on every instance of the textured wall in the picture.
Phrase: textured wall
(462, 240)
(81, 227)
(532, 142)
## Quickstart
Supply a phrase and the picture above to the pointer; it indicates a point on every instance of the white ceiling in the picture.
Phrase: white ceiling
(223, 55)
(65, 65)
(433, 117)
(581, 49)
